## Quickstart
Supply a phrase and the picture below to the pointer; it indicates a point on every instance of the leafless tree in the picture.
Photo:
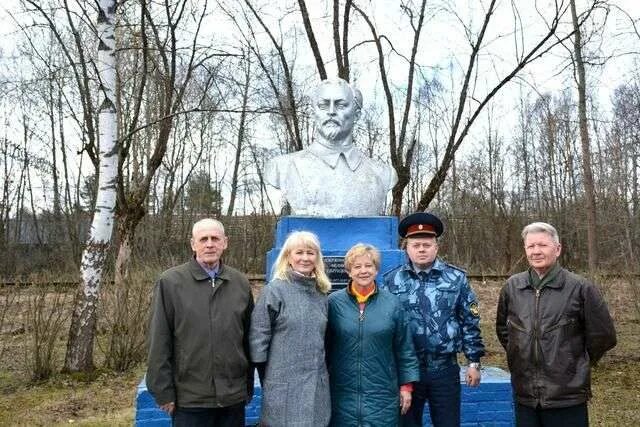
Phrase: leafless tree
(240, 141)
(589, 188)
(401, 146)
(463, 119)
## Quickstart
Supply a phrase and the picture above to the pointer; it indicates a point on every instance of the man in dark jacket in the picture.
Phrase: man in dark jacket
(198, 365)
(553, 325)
(443, 315)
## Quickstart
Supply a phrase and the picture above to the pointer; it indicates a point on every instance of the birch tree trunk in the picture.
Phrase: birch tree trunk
(79, 355)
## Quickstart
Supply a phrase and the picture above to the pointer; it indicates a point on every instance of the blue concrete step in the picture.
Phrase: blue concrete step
(488, 405)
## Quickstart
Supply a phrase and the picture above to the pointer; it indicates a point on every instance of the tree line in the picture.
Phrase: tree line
(195, 97)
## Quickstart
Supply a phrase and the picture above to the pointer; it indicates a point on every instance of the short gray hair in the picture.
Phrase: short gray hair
(541, 227)
(210, 222)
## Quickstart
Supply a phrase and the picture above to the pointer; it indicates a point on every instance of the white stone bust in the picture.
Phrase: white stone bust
(331, 177)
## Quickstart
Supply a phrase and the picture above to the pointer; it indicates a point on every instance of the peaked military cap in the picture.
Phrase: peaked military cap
(420, 223)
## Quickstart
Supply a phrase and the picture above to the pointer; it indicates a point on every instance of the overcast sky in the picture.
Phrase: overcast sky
(443, 49)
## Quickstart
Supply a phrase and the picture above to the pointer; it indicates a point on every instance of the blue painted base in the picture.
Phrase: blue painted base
(489, 404)
(338, 235)
(342, 233)
(148, 414)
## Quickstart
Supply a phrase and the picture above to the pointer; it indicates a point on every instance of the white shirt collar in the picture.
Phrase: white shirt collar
(331, 155)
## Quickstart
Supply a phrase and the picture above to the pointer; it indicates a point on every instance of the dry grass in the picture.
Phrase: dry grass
(616, 390)
(107, 398)
(102, 399)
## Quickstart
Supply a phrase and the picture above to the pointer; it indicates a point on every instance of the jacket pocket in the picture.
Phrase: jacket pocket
(560, 347)
(518, 346)
(518, 336)
(236, 367)
(445, 311)
(564, 322)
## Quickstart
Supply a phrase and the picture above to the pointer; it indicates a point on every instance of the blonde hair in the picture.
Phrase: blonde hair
(302, 239)
(361, 249)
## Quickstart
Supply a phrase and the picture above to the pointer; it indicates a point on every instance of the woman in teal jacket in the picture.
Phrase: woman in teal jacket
(371, 358)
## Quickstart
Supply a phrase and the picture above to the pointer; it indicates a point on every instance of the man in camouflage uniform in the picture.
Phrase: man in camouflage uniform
(444, 320)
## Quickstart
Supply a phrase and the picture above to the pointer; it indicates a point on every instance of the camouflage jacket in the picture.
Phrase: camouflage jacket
(443, 312)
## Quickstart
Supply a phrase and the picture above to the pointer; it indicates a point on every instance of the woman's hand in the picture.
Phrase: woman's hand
(405, 401)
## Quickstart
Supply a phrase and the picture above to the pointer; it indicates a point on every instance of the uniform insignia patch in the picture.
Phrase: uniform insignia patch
(473, 308)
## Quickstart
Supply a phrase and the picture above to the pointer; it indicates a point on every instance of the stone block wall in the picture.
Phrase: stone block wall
(488, 405)
(148, 414)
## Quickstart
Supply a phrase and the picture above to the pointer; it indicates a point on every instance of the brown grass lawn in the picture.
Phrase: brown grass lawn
(615, 382)
(107, 398)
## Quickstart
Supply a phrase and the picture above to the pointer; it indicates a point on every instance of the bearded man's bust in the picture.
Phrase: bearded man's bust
(331, 177)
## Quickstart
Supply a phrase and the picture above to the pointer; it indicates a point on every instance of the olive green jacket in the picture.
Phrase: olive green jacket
(198, 350)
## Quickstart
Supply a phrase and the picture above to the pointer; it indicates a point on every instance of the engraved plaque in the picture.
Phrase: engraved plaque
(334, 267)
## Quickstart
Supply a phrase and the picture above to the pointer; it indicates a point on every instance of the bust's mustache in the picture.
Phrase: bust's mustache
(330, 129)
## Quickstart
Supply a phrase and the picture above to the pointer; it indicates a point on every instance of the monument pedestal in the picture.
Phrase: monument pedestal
(489, 404)
(337, 236)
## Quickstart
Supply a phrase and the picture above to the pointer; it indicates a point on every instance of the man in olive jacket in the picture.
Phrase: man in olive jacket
(198, 365)
(553, 325)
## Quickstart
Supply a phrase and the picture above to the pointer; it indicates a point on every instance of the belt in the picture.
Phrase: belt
(437, 362)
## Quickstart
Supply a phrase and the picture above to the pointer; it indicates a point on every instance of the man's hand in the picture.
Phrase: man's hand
(473, 376)
(168, 407)
(405, 401)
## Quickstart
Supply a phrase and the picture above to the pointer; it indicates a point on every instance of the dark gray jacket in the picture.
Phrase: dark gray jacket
(552, 336)
(198, 353)
(288, 333)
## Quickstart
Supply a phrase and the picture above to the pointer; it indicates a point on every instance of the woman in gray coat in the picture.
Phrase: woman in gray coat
(287, 337)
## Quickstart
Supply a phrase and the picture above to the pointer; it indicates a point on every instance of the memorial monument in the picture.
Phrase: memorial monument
(332, 178)
(334, 189)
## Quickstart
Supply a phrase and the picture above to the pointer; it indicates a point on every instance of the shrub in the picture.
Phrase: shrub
(123, 319)
(45, 317)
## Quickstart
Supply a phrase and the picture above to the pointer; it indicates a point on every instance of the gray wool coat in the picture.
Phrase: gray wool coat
(287, 332)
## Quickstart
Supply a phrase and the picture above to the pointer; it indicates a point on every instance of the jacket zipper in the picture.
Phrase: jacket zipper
(536, 344)
(360, 328)
(213, 382)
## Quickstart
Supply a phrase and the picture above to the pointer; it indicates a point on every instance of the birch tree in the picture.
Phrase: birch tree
(79, 355)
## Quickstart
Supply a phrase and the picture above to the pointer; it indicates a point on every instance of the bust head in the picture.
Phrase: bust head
(336, 107)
